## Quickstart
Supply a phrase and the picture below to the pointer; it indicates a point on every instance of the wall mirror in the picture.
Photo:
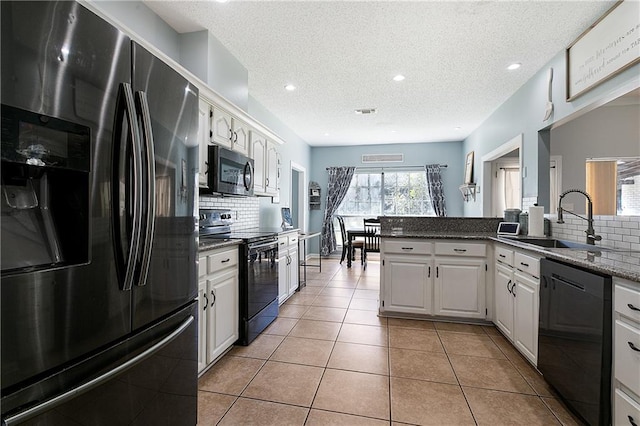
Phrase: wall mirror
(600, 153)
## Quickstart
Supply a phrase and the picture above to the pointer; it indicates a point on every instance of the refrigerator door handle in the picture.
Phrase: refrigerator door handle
(126, 105)
(142, 106)
(70, 394)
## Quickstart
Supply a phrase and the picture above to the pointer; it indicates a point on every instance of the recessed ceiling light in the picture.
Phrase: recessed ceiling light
(326, 134)
(398, 77)
(290, 87)
(514, 66)
(458, 128)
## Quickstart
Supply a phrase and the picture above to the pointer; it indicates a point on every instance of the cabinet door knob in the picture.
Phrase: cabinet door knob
(632, 346)
(526, 265)
(225, 261)
(632, 421)
(502, 256)
(206, 302)
(214, 298)
(508, 284)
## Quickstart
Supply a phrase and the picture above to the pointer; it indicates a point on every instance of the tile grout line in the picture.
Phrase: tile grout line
(464, 395)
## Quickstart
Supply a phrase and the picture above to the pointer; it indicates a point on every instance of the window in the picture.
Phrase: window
(401, 193)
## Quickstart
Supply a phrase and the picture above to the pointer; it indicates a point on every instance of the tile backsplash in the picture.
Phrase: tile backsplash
(528, 202)
(621, 232)
(246, 210)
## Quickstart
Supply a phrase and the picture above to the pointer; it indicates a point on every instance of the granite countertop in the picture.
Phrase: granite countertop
(438, 235)
(211, 243)
(621, 263)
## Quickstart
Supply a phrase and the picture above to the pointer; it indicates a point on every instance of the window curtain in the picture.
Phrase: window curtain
(339, 181)
(512, 198)
(436, 189)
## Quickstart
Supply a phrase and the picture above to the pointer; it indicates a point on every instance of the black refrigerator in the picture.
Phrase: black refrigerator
(98, 224)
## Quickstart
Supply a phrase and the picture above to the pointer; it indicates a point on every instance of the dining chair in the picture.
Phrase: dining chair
(345, 243)
(371, 238)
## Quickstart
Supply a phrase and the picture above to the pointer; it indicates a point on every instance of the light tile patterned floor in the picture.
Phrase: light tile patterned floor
(330, 360)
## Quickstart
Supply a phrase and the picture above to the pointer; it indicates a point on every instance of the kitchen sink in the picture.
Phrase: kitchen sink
(554, 243)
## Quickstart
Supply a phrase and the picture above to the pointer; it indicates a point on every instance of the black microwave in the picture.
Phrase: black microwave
(229, 172)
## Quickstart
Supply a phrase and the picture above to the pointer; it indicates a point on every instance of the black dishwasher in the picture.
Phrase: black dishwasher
(574, 340)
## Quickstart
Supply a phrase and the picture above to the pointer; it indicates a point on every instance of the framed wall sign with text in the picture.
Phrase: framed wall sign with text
(608, 47)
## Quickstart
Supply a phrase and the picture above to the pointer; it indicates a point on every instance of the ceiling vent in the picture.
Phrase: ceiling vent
(365, 111)
(382, 158)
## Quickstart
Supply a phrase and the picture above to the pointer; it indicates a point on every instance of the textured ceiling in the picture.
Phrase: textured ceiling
(342, 55)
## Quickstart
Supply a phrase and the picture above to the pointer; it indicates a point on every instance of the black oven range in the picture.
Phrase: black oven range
(258, 270)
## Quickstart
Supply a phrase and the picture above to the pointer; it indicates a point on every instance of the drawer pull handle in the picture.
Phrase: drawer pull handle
(633, 308)
(460, 250)
(407, 248)
(633, 423)
(526, 265)
(225, 261)
(502, 256)
(632, 346)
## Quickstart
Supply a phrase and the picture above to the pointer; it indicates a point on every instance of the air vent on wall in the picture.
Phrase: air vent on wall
(382, 158)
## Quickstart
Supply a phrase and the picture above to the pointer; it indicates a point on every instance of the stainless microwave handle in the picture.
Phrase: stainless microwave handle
(91, 384)
(150, 200)
(248, 182)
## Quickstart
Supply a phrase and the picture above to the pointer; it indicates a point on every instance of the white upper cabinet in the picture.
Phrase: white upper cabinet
(230, 132)
(265, 165)
(221, 128)
(259, 150)
(272, 165)
(240, 142)
(204, 140)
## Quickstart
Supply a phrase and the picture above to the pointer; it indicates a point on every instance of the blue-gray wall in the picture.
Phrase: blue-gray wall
(296, 150)
(206, 58)
(523, 113)
(136, 16)
(415, 154)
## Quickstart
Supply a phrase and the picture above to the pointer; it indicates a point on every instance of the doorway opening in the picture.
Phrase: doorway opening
(298, 196)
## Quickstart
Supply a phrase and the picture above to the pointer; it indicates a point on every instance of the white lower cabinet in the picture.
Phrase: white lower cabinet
(218, 301)
(408, 284)
(517, 299)
(626, 352)
(288, 264)
(459, 286)
(406, 276)
(526, 296)
(503, 281)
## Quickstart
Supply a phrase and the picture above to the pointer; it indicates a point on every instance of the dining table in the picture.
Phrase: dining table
(352, 234)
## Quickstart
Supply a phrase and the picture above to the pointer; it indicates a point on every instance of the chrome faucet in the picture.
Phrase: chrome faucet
(591, 233)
